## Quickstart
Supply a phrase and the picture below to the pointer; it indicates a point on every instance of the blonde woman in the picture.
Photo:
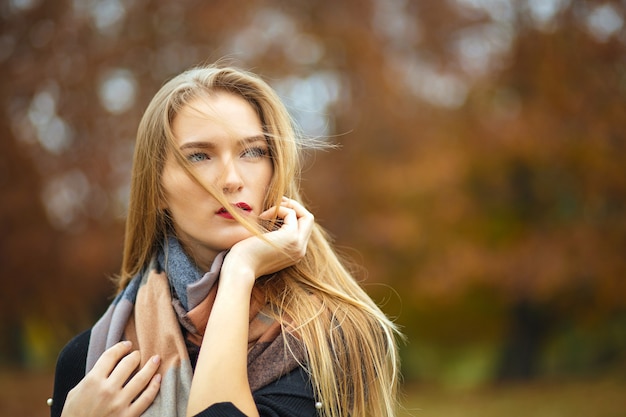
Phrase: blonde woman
(231, 299)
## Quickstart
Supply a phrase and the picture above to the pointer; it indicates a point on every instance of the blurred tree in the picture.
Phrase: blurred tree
(480, 171)
(27, 249)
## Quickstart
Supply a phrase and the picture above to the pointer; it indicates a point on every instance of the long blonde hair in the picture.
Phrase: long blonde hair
(350, 343)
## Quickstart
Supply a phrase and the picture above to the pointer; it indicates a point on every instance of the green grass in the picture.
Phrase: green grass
(24, 394)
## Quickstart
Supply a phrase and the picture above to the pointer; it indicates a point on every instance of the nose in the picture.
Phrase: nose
(231, 178)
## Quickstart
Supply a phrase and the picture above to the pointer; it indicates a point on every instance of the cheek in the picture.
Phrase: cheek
(175, 185)
(168, 179)
(265, 180)
(169, 196)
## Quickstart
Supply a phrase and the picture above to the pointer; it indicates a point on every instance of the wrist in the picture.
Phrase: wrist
(236, 270)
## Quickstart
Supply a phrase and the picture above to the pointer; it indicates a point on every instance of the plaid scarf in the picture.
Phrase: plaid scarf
(164, 311)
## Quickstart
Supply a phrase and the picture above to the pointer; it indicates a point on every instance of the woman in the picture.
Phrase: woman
(284, 331)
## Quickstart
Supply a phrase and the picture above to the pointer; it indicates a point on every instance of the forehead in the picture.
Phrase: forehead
(222, 114)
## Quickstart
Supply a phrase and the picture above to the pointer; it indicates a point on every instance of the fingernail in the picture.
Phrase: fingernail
(157, 377)
(127, 343)
(156, 359)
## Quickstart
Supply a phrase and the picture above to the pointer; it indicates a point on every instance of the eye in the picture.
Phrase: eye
(198, 157)
(255, 152)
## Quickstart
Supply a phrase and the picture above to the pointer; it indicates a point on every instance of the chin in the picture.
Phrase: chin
(237, 237)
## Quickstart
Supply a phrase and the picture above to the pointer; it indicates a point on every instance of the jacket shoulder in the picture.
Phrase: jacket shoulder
(70, 370)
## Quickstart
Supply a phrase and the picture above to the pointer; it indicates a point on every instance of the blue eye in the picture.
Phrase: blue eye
(198, 157)
(255, 152)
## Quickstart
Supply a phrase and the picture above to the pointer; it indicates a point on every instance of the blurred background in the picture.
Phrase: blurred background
(480, 178)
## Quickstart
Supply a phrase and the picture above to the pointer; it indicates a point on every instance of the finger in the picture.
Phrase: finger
(299, 230)
(142, 378)
(125, 368)
(146, 398)
(271, 212)
(285, 202)
(295, 205)
(110, 358)
(305, 217)
(270, 220)
(300, 210)
(278, 212)
(288, 216)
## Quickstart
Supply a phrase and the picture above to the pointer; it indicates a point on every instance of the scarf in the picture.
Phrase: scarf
(164, 310)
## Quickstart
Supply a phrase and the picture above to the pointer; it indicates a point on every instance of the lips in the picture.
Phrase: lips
(241, 206)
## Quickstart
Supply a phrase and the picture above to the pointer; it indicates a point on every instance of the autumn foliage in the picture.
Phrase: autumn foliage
(479, 179)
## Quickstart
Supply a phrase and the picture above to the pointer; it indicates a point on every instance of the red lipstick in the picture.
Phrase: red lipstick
(241, 206)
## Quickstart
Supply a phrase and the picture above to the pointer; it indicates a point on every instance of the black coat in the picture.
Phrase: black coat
(290, 395)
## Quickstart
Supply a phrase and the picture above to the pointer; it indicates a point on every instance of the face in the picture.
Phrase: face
(222, 138)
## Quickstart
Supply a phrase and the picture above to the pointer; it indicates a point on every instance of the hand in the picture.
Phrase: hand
(221, 371)
(287, 245)
(104, 391)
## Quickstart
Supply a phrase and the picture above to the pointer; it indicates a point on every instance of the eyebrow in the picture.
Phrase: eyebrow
(210, 145)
